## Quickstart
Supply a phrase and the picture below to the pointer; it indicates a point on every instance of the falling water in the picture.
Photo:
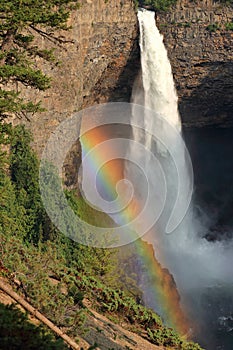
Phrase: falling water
(202, 269)
(157, 78)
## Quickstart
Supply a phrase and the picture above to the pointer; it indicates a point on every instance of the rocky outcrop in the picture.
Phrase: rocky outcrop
(200, 49)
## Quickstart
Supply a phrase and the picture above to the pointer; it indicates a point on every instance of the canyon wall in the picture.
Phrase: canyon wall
(98, 60)
(200, 49)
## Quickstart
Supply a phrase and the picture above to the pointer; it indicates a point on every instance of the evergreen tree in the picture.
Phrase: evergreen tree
(17, 50)
(24, 171)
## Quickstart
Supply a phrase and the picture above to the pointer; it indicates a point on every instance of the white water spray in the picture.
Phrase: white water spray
(199, 267)
(159, 90)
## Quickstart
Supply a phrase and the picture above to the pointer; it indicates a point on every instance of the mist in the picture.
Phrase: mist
(199, 252)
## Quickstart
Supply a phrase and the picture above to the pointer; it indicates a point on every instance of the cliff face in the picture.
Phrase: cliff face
(200, 49)
(98, 60)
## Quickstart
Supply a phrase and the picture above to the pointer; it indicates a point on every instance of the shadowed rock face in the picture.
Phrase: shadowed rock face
(148, 7)
(210, 103)
(201, 56)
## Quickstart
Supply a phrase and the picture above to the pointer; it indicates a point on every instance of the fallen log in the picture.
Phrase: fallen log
(9, 291)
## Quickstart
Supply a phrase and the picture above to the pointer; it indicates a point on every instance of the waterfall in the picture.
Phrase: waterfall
(202, 269)
(155, 90)
(159, 90)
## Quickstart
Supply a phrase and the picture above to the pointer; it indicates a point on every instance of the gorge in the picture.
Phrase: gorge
(188, 248)
(103, 38)
(98, 60)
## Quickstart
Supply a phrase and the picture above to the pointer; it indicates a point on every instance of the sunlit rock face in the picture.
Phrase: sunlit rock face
(97, 61)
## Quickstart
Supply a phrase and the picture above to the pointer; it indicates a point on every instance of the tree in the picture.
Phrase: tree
(17, 50)
(157, 4)
(24, 171)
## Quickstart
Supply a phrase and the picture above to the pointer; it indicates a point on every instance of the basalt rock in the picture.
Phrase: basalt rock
(200, 48)
(98, 59)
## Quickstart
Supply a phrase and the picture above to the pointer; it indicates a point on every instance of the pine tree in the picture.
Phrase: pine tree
(17, 50)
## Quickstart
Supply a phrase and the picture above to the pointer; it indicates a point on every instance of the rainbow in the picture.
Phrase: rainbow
(162, 283)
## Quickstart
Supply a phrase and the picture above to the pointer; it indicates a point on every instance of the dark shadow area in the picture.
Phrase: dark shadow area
(211, 102)
(116, 82)
(17, 333)
(123, 88)
(211, 153)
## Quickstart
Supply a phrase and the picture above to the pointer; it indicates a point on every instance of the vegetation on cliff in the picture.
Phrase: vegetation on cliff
(52, 272)
(164, 5)
(20, 20)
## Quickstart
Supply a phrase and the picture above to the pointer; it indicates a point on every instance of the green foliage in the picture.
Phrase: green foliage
(17, 50)
(228, 2)
(24, 163)
(5, 132)
(11, 102)
(18, 13)
(88, 213)
(111, 300)
(32, 267)
(24, 169)
(17, 333)
(165, 336)
(31, 248)
(212, 27)
(162, 5)
(12, 214)
(190, 346)
(52, 271)
(229, 25)
(184, 24)
(24, 74)
(169, 338)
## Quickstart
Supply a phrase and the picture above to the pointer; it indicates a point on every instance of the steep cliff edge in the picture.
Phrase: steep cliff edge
(200, 49)
(98, 61)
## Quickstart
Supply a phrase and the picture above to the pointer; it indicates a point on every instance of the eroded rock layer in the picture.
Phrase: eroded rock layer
(200, 46)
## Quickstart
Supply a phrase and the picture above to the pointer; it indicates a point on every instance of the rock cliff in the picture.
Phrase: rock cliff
(200, 49)
(99, 60)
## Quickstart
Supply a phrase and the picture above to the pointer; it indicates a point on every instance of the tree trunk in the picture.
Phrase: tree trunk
(8, 290)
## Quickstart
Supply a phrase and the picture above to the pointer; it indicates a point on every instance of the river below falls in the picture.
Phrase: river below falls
(211, 152)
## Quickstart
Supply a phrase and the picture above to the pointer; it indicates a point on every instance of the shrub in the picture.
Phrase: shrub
(162, 5)
(212, 27)
(229, 26)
